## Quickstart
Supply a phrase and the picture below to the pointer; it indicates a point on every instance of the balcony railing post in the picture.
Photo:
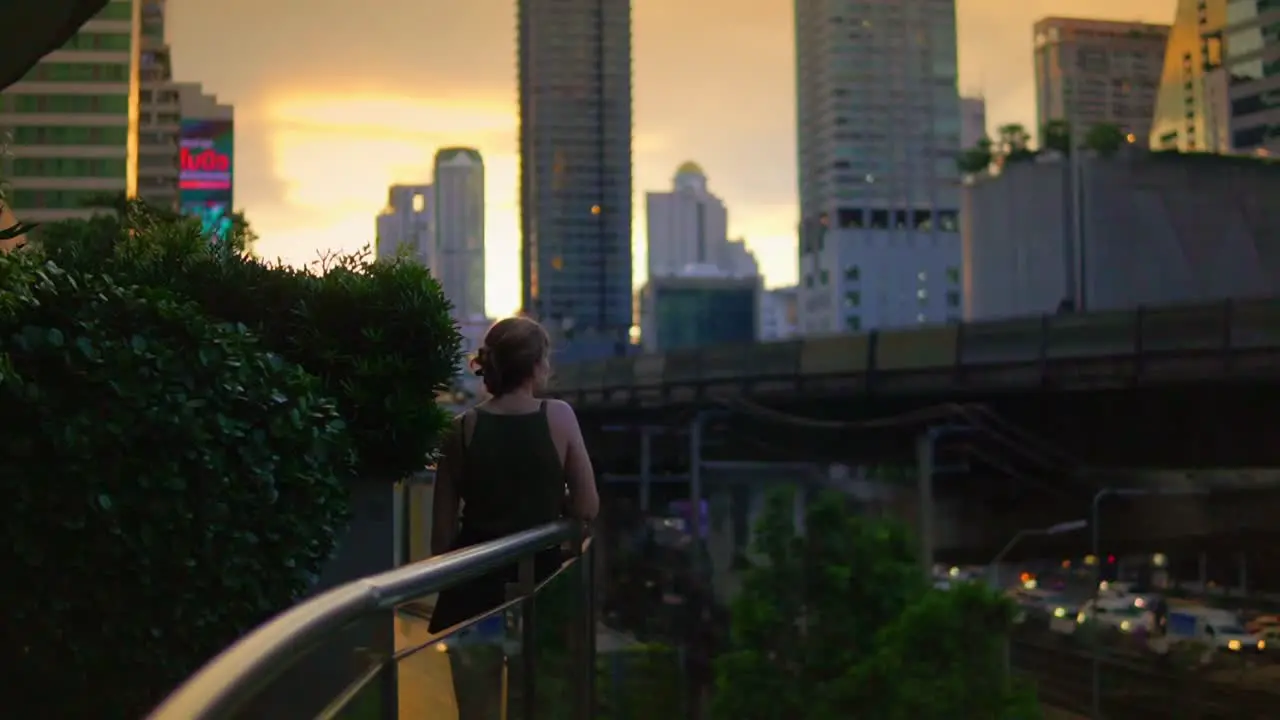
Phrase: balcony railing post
(528, 642)
(584, 642)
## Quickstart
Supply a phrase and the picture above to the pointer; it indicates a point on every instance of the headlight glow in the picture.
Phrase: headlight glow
(1233, 645)
(1059, 612)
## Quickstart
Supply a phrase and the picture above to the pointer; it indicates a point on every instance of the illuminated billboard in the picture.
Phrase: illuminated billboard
(207, 171)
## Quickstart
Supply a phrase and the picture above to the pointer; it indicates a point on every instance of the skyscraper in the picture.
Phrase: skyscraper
(686, 225)
(406, 224)
(973, 120)
(879, 130)
(72, 122)
(459, 229)
(1091, 72)
(575, 172)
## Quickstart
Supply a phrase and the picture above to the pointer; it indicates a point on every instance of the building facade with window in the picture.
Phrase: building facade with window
(878, 133)
(71, 125)
(1094, 72)
(1252, 73)
(574, 60)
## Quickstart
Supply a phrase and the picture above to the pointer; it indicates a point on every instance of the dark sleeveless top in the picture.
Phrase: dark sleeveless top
(512, 479)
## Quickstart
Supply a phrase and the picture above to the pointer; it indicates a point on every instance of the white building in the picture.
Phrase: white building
(459, 229)
(687, 226)
(405, 225)
(878, 133)
(779, 314)
(973, 120)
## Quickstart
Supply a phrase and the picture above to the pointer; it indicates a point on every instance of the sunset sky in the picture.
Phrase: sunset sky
(337, 99)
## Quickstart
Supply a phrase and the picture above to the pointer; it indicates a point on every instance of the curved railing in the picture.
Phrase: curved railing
(544, 635)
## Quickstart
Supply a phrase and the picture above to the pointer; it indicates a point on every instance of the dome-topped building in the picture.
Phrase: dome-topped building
(688, 224)
(689, 167)
(690, 177)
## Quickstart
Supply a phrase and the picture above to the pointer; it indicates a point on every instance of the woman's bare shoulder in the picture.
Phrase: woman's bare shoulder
(560, 412)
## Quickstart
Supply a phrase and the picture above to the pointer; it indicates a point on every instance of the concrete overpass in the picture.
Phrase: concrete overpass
(1171, 387)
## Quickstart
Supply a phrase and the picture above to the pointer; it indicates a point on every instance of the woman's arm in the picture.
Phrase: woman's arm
(445, 501)
(584, 500)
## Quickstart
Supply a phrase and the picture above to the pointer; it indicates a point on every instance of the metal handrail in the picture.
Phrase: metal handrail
(240, 672)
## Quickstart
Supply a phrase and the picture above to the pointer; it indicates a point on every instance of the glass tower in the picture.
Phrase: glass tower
(575, 172)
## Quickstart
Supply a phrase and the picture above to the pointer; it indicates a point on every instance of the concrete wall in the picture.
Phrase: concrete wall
(1158, 229)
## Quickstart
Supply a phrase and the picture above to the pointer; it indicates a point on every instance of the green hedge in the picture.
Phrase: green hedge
(168, 485)
(182, 422)
(378, 336)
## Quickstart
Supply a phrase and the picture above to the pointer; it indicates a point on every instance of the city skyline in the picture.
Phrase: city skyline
(322, 134)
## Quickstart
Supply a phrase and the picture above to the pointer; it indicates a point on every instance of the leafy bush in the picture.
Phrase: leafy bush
(378, 336)
(168, 483)
(837, 622)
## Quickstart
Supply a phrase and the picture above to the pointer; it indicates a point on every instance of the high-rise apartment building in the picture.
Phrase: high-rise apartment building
(459, 229)
(687, 225)
(406, 225)
(878, 132)
(165, 108)
(1094, 72)
(973, 120)
(71, 124)
(1192, 112)
(1252, 70)
(575, 172)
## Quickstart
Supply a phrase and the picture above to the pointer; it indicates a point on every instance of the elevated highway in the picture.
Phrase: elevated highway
(1175, 387)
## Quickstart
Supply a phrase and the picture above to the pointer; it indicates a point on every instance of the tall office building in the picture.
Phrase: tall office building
(1191, 112)
(406, 225)
(575, 172)
(1252, 70)
(686, 225)
(973, 120)
(71, 123)
(879, 130)
(160, 113)
(1093, 72)
(459, 229)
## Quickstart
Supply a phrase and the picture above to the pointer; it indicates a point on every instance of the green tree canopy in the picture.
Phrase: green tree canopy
(1057, 136)
(1105, 139)
(824, 627)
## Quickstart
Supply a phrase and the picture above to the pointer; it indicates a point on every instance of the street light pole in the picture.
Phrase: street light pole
(1058, 529)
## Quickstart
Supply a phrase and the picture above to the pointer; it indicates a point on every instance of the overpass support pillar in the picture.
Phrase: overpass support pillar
(646, 467)
(925, 456)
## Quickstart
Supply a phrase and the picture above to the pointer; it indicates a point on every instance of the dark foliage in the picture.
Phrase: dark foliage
(168, 483)
(378, 336)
